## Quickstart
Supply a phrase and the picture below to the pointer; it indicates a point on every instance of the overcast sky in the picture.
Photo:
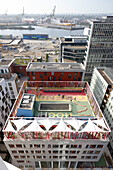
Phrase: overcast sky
(62, 6)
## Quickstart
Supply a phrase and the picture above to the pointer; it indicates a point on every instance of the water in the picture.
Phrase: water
(52, 32)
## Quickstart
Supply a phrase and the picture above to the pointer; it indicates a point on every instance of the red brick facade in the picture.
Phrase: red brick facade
(54, 76)
(20, 70)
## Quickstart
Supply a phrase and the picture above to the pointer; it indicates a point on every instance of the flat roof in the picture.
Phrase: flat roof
(76, 37)
(6, 62)
(105, 72)
(75, 47)
(27, 101)
(55, 67)
(22, 61)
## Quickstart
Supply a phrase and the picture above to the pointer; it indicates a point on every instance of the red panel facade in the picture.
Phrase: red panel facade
(54, 76)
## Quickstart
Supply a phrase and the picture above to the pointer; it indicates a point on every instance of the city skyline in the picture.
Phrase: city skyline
(62, 7)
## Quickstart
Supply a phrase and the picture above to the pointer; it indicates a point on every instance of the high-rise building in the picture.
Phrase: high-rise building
(55, 125)
(100, 45)
(102, 87)
(55, 71)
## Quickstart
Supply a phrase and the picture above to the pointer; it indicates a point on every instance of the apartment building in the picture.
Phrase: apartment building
(72, 48)
(6, 69)
(55, 71)
(102, 87)
(99, 45)
(55, 125)
(5, 103)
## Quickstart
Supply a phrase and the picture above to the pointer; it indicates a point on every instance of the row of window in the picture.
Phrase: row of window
(59, 78)
(53, 146)
(52, 74)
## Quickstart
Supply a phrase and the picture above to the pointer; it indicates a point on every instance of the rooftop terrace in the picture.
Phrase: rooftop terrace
(68, 107)
(23, 61)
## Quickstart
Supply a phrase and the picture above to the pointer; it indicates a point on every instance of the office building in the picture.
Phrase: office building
(72, 48)
(99, 45)
(102, 87)
(55, 125)
(55, 71)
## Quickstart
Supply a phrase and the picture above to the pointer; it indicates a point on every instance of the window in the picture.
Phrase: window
(28, 73)
(49, 78)
(33, 73)
(84, 152)
(49, 146)
(55, 151)
(94, 157)
(82, 157)
(100, 146)
(79, 78)
(20, 68)
(33, 78)
(54, 78)
(10, 88)
(45, 74)
(55, 146)
(11, 146)
(90, 152)
(88, 157)
(92, 146)
(87, 146)
(69, 76)
(19, 146)
(97, 152)
(41, 76)
(14, 151)
(52, 73)
(59, 78)
(80, 73)
(16, 157)
(21, 151)
(55, 164)
(74, 78)
(79, 146)
(62, 74)
(73, 146)
(75, 74)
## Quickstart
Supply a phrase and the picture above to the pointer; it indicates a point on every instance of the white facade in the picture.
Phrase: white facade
(108, 113)
(12, 86)
(54, 153)
(98, 86)
(101, 82)
(5, 103)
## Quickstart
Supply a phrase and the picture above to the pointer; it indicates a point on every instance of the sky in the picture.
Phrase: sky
(62, 6)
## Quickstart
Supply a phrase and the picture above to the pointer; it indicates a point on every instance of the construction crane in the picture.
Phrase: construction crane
(6, 12)
(53, 12)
